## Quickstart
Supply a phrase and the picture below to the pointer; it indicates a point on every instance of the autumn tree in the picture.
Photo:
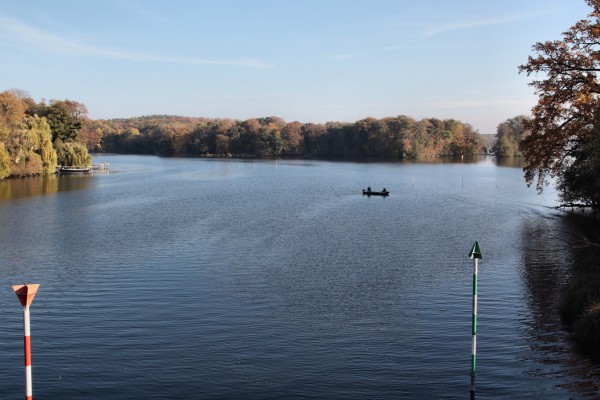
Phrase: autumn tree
(66, 118)
(25, 141)
(313, 139)
(340, 141)
(91, 134)
(509, 134)
(564, 121)
(12, 111)
(378, 138)
(292, 135)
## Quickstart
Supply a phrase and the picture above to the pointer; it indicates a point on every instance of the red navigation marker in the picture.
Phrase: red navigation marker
(26, 293)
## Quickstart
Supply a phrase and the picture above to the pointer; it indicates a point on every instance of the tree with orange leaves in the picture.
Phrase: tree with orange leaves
(565, 120)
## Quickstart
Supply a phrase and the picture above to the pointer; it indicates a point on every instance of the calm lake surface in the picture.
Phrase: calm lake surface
(230, 279)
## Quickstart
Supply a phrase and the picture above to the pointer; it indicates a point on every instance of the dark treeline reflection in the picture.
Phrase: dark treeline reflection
(511, 162)
(17, 188)
(548, 258)
(545, 270)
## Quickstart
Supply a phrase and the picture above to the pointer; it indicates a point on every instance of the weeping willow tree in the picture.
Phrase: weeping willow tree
(40, 129)
(30, 148)
(72, 153)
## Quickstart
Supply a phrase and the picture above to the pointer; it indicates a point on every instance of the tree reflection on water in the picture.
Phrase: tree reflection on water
(18, 188)
(547, 263)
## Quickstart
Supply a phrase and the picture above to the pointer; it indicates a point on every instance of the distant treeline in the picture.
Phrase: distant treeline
(398, 137)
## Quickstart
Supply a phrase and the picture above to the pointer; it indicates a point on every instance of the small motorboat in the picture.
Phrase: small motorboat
(369, 192)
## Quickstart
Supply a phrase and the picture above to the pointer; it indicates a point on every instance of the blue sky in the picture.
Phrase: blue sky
(301, 60)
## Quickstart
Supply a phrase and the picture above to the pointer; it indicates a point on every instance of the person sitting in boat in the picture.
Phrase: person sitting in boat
(384, 190)
(369, 189)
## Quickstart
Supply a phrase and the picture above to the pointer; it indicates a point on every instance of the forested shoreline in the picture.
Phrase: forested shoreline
(36, 137)
(392, 138)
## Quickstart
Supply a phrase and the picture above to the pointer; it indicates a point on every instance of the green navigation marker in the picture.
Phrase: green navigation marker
(475, 252)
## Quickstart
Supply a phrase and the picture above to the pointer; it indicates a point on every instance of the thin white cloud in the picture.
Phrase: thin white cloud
(444, 28)
(415, 40)
(25, 33)
(58, 44)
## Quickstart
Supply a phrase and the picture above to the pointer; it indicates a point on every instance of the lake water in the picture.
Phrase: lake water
(232, 279)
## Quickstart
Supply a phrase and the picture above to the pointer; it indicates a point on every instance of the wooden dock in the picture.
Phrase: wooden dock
(100, 167)
(74, 169)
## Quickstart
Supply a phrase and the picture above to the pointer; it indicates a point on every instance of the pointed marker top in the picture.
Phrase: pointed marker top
(475, 252)
(26, 293)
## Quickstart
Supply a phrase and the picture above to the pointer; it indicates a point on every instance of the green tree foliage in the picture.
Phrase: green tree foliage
(505, 147)
(509, 136)
(388, 138)
(67, 120)
(65, 117)
(564, 120)
(30, 148)
(580, 181)
(72, 153)
(4, 162)
(40, 129)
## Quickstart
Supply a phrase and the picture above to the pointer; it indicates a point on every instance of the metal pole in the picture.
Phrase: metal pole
(474, 330)
(28, 384)
(474, 254)
(26, 293)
